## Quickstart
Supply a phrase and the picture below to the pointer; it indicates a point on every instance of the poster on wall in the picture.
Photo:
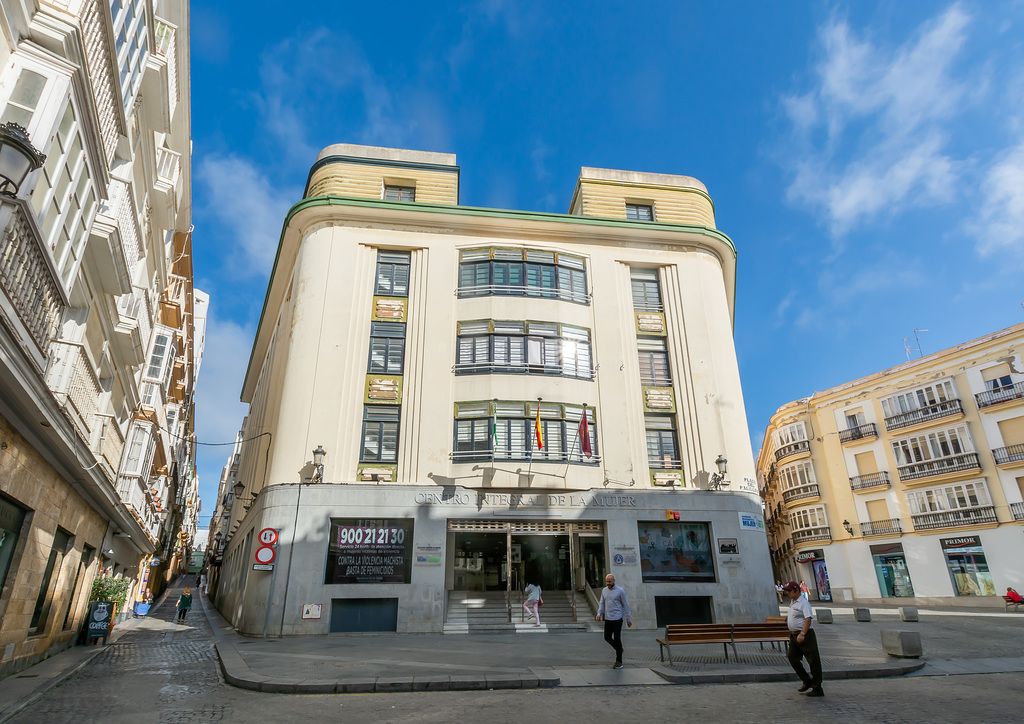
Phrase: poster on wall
(369, 551)
(821, 580)
(676, 552)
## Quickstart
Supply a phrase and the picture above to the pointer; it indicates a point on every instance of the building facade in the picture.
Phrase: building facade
(448, 402)
(906, 485)
(97, 343)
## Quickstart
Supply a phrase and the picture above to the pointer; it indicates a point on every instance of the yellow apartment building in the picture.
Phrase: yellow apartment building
(905, 485)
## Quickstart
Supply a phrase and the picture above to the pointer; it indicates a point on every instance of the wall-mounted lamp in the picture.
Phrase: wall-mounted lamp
(18, 158)
(318, 464)
(717, 480)
(849, 528)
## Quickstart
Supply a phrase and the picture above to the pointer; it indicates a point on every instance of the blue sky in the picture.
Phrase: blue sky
(867, 159)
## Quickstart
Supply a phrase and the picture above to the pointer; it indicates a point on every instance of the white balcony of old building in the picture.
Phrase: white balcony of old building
(167, 187)
(160, 88)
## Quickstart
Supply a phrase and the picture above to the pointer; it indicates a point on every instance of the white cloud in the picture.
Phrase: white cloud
(240, 197)
(1001, 227)
(871, 136)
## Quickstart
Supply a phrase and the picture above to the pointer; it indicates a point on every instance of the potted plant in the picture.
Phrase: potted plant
(115, 590)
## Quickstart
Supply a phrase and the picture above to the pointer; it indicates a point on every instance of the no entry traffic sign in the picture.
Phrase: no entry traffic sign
(265, 555)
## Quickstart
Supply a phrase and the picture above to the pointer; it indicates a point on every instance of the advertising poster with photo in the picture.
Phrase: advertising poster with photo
(676, 552)
(369, 551)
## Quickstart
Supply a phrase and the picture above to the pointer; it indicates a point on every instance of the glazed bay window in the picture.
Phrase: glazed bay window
(392, 274)
(950, 505)
(662, 442)
(130, 45)
(512, 347)
(161, 357)
(507, 431)
(797, 481)
(387, 348)
(380, 434)
(790, 440)
(646, 290)
(654, 369)
(138, 451)
(809, 524)
(935, 453)
(925, 403)
(522, 272)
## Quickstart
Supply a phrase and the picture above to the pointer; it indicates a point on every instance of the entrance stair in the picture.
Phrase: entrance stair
(485, 612)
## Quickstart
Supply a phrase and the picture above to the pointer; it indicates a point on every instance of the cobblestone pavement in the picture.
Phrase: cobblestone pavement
(165, 673)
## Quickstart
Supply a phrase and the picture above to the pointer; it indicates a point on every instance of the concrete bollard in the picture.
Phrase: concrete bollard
(823, 615)
(901, 644)
(862, 614)
(909, 613)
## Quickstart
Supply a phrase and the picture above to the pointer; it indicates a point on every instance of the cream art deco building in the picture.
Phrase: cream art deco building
(494, 397)
(98, 317)
(906, 485)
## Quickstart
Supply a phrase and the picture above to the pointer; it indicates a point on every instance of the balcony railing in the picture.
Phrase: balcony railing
(110, 445)
(1017, 511)
(168, 165)
(924, 414)
(555, 456)
(870, 480)
(882, 527)
(861, 432)
(520, 367)
(26, 279)
(1009, 454)
(1003, 394)
(794, 448)
(805, 491)
(811, 534)
(940, 466)
(954, 518)
(664, 464)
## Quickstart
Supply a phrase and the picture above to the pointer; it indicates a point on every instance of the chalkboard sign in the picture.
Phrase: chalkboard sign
(98, 622)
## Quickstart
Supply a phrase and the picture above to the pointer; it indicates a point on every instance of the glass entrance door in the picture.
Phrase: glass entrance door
(544, 561)
(480, 562)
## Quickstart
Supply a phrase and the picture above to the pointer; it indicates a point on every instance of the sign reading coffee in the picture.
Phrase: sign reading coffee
(98, 620)
(369, 551)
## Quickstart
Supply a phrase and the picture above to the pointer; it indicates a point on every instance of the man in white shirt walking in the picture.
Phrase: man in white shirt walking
(803, 643)
(613, 608)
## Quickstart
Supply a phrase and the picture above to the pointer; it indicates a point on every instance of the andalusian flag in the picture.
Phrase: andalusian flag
(539, 431)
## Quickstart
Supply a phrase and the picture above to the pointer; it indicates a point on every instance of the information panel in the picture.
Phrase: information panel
(369, 551)
(675, 552)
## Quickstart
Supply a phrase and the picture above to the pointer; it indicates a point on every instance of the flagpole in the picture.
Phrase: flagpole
(536, 428)
(576, 439)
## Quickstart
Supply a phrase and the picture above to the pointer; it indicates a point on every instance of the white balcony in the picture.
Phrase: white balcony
(73, 382)
(167, 187)
(160, 91)
(114, 240)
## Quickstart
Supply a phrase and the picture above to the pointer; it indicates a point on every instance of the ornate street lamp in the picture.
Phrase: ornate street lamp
(18, 158)
(717, 480)
(318, 464)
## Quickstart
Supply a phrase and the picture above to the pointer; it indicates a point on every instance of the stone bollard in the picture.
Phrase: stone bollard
(909, 613)
(901, 644)
(823, 615)
(862, 614)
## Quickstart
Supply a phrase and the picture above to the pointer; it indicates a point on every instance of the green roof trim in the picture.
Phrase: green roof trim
(315, 201)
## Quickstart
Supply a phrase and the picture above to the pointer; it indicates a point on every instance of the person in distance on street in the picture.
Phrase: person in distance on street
(1013, 595)
(614, 608)
(184, 604)
(803, 643)
(532, 600)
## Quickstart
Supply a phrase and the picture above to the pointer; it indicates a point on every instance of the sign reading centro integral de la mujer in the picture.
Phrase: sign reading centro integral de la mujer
(369, 551)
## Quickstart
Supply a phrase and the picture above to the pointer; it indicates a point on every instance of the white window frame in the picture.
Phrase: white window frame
(51, 101)
(933, 394)
(131, 62)
(928, 446)
(797, 475)
(794, 432)
(138, 450)
(165, 360)
(808, 518)
(952, 496)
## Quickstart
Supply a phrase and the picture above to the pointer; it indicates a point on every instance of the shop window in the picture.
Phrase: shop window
(12, 517)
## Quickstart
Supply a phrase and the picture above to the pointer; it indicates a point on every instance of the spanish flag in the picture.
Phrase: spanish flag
(537, 429)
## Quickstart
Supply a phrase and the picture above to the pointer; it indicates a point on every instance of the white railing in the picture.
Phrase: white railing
(127, 222)
(110, 445)
(25, 277)
(72, 377)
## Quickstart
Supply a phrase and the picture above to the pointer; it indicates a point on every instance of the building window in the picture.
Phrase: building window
(138, 451)
(654, 369)
(808, 518)
(51, 576)
(25, 98)
(948, 497)
(522, 272)
(932, 446)
(797, 476)
(387, 348)
(640, 212)
(646, 290)
(392, 273)
(507, 431)
(12, 516)
(160, 358)
(83, 566)
(130, 44)
(797, 432)
(662, 442)
(997, 378)
(513, 347)
(380, 434)
(916, 399)
(399, 193)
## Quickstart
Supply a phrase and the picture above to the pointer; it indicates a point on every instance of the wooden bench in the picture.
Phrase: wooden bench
(727, 634)
(1010, 602)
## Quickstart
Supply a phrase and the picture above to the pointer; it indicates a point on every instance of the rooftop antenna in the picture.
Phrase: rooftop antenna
(913, 345)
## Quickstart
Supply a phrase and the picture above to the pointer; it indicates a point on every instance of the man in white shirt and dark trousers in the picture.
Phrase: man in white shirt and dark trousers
(613, 608)
(802, 641)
